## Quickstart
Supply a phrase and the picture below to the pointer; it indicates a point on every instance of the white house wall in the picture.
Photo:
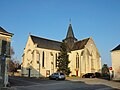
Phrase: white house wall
(116, 63)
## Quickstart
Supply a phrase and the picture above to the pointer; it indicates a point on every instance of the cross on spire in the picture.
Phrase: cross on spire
(70, 20)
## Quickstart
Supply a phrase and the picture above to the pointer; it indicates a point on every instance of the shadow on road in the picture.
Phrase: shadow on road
(94, 86)
(68, 84)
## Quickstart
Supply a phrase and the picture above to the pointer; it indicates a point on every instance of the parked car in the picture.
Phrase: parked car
(89, 75)
(106, 76)
(57, 76)
(97, 75)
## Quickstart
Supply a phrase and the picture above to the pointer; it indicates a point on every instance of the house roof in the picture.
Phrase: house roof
(46, 43)
(116, 48)
(4, 32)
(80, 44)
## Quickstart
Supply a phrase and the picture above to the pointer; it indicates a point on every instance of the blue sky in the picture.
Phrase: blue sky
(50, 19)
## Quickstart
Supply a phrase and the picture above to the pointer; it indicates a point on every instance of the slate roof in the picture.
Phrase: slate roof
(80, 44)
(46, 43)
(3, 31)
(70, 33)
(116, 48)
(55, 45)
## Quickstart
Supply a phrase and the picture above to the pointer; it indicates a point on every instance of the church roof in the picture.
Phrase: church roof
(2, 31)
(55, 45)
(46, 43)
(70, 33)
(80, 44)
(116, 48)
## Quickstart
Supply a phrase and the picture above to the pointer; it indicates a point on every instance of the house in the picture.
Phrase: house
(115, 55)
(5, 40)
(40, 55)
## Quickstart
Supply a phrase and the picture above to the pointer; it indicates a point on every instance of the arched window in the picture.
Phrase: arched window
(77, 60)
(43, 57)
(38, 57)
(32, 56)
(29, 55)
(92, 60)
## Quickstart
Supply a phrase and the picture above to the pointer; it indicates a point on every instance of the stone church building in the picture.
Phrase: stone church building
(40, 56)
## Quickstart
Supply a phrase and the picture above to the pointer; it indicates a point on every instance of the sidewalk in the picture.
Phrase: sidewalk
(110, 83)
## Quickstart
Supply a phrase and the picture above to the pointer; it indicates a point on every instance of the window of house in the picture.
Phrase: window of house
(8, 48)
(43, 57)
(4, 44)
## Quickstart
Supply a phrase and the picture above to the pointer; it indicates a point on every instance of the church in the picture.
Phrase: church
(40, 55)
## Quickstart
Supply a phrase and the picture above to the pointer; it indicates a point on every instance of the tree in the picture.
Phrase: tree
(12, 51)
(105, 71)
(63, 60)
(13, 64)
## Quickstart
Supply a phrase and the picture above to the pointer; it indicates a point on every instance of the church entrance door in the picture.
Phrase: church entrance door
(76, 72)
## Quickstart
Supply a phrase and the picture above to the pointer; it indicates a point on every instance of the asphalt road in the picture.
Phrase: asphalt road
(19, 83)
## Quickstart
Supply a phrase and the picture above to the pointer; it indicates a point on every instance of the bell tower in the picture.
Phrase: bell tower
(70, 38)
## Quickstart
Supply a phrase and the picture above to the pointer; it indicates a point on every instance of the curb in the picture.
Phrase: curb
(8, 88)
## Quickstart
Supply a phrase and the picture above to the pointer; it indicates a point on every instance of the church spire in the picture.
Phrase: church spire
(70, 38)
(70, 33)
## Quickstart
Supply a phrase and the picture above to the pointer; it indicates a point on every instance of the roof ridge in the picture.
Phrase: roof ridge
(82, 39)
(45, 38)
(3, 31)
(116, 48)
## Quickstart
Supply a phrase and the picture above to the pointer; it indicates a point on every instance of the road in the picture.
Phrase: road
(19, 83)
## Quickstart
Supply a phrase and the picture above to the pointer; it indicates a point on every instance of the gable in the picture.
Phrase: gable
(92, 47)
(29, 44)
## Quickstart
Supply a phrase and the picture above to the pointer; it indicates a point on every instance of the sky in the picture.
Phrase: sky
(99, 19)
